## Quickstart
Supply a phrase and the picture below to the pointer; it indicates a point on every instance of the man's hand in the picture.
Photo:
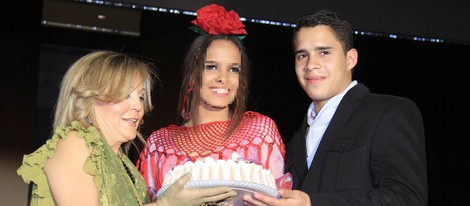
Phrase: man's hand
(288, 197)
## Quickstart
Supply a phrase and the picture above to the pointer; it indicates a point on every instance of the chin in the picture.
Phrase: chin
(131, 137)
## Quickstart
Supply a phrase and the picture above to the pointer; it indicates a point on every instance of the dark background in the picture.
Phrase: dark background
(442, 19)
(432, 74)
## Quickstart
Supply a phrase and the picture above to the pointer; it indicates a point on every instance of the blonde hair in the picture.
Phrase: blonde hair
(106, 76)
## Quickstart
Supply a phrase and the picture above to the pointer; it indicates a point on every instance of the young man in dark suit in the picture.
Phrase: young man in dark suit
(354, 147)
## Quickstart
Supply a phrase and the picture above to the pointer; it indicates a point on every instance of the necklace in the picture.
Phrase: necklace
(128, 172)
(131, 180)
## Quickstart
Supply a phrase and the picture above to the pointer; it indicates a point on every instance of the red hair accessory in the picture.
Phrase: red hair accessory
(214, 19)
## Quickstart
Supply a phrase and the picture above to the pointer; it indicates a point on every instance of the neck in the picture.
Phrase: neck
(212, 114)
(115, 146)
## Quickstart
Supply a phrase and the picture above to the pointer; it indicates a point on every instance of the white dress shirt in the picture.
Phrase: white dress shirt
(319, 122)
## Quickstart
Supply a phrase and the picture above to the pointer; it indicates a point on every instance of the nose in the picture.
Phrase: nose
(311, 64)
(221, 76)
(137, 105)
(220, 80)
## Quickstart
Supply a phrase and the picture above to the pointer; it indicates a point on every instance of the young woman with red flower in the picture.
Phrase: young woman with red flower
(213, 96)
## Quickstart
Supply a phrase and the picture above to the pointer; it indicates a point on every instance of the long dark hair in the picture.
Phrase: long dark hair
(193, 67)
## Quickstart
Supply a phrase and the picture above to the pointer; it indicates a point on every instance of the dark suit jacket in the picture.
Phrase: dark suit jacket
(372, 153)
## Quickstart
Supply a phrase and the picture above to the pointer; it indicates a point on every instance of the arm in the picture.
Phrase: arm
(273, 150)
(399, 157)
(68, 181)
(147, 167)
(273, 154)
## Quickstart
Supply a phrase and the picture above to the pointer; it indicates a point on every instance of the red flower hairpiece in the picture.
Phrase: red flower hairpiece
(214, 19)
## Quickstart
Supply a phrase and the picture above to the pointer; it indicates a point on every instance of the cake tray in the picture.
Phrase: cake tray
(241, 187)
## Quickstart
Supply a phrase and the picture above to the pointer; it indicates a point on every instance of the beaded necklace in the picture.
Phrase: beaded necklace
(131, 179)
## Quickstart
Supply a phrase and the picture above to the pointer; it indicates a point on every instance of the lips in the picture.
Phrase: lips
(220, 90)
(314, 79)
(132, 121)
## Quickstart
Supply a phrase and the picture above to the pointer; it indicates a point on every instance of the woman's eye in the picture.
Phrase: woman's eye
(142, 98)
(235, 69)
(210, 67)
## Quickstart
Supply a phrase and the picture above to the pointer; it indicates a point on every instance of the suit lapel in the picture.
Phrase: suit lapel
(299, 151)
(340, 118)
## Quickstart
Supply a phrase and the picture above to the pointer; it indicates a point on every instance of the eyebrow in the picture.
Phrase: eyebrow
(217, 63)
(300, 51)
(318, 48)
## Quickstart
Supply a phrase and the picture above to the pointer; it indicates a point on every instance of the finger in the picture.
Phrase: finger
(295, 197)
(289, 194)
(198, 196)
(220, 196)
(268, 200)
(179, 184)
(284, 193)
(213, 193)
(249, 200)
(184, 179)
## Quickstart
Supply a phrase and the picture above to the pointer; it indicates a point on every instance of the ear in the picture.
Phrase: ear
(351, 58)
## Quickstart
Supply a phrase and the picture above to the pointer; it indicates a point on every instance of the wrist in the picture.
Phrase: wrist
(160, 202)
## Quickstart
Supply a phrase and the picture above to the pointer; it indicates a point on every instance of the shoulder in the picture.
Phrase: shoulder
(384, 106)
(388, 101)
(376, 100)
(162, 137)
(162, 133)
(256, 115)
(76, 145)
(73, 141)
(259, 120)
(262, 126)
(71, 153)
(71, 149)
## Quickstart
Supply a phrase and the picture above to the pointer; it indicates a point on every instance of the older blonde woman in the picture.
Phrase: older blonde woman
(102, 101)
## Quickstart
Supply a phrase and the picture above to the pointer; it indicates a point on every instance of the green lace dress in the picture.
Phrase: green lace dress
(115, 185)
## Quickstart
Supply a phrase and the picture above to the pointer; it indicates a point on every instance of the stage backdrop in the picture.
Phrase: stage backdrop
(429, 73)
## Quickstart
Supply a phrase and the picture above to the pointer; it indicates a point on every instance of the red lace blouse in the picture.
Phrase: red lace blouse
(256, 139)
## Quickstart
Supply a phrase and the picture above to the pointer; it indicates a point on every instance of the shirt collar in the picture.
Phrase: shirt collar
(334, 101)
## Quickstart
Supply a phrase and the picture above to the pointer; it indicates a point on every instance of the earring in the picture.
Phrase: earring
(186, 114)
(88, 119)
(141, 122)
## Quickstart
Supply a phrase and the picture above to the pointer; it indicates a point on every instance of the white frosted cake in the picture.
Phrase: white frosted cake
(232, 170)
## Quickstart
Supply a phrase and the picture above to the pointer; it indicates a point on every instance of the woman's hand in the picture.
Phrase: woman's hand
(178, 195)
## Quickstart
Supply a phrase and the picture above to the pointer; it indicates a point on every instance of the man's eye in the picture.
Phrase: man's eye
(301, 56)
